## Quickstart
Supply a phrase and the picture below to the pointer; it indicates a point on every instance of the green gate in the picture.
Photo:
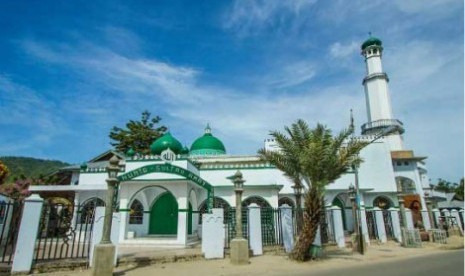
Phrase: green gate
(164, 216)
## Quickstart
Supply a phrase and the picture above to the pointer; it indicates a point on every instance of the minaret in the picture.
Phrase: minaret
(378, 101)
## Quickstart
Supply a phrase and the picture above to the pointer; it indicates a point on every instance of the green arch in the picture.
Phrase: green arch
(339, 203)
(171, 169)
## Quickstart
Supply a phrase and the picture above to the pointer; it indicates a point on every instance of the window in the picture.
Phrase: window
(399, 163)
(136, 213)
(406, 163)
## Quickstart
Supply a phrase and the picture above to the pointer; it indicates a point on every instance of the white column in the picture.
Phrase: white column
(97, 232)
(338, 227)
(75, 210)
(363, 218)
(409, 219)
(436, 215)
(255, 230)
(454, 213)
(212, 227)
(287, 227)
(182, 220)
(461, 214)
(446, 213)
(27, 235)
(380, 224)
(123, 204)
(395, 221)
(425, 218)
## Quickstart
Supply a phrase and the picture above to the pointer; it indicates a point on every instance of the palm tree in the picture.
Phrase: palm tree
(313, 158)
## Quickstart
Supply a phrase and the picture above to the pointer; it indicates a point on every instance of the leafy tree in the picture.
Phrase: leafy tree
(4, 172)
(313, 158)
(137, 135)
(445, 186)
(459, 191)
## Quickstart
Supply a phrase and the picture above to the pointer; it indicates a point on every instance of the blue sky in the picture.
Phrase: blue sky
(70, 70)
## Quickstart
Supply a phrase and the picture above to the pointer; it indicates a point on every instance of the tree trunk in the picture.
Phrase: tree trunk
(312, 215)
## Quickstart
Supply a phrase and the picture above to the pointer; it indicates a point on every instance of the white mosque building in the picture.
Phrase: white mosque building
(163, 194)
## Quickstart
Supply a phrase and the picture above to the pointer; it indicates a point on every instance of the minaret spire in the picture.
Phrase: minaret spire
(378, 100)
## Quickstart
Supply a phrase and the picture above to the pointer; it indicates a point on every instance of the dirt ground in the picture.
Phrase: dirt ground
(282, 265)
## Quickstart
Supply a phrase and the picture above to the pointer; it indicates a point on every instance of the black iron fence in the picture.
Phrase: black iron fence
(61, 234)
(388, 224)
(371, 225)
(10, 218)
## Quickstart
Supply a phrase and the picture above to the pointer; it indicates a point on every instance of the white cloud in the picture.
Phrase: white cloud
(249, 16)
(339, 50)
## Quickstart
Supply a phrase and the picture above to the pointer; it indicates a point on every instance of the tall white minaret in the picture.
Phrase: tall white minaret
(378, 101)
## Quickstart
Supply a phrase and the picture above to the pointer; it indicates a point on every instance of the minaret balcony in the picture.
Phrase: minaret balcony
(377, 126)
(375, 76)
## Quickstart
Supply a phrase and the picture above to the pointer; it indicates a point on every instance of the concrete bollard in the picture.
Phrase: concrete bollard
(363, 218)
(214, 234)
(426, 220)
(409, 219)
(436, 215)
(287, 227)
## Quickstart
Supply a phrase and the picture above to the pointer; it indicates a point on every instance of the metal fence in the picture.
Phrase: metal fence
(61, 235)
(371, 224)
(10, 218)
(388, 224)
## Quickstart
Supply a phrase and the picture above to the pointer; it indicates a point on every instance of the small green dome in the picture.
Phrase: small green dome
(84, 166)
(185, 150)
(371, 41)
(130, 152)
(207, 145)
(165, 142)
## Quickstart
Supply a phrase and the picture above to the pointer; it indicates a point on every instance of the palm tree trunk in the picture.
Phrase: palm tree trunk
(312, 216)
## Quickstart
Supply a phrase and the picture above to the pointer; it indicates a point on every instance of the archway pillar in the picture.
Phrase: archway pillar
(183, 207)
(123, 204)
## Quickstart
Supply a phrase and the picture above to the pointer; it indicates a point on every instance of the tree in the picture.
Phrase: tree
(4, 172)
(313, 158)
(459, 191)
(445, 186)
(138, 135)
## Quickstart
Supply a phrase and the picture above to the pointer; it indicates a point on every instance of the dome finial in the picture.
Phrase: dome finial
(369, 34)
(208, 130)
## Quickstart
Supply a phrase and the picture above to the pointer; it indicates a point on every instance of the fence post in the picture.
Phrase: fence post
(426, 221)
(255, 229)
(213, 234)
(409, 219)
(27, 234)
(454, 213)
(380, 228)
(287, 227)
(395, 224)
(363, 218)
(97, 232)
(436, 215)
(338, 227)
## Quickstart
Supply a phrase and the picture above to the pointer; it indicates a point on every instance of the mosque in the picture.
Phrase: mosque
(165, 193)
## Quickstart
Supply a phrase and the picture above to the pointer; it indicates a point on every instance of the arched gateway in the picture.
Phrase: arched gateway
(171, 169)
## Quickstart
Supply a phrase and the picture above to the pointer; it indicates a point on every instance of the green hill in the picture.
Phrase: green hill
(30, 167)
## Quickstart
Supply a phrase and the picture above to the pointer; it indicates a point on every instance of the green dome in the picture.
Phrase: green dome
(371, 41)
(207, 145)
(165, 142)
(130, 152)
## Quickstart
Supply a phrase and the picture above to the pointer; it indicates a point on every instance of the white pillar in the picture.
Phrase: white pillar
(255, 230)
(123, 204)
(395, 221)
(436, 215)
(287, 227)
(27, 235)
(454, 213)
(182, 220)
(461, 214)
(75, 210)
(380, 224)
(97, 232)
(409, 219)
(338, 227)
(446, 213)
(425, 218)
(363, 218)
(214, 234)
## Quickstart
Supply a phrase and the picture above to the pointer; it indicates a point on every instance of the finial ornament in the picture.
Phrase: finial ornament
(369, 33)
(351, 126)
(208, 130)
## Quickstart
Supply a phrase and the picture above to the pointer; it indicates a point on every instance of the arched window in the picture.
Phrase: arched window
(218, 202)
(257, 200)
(382, 202)
(88, 209)
(286, 200)
(136, 213)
